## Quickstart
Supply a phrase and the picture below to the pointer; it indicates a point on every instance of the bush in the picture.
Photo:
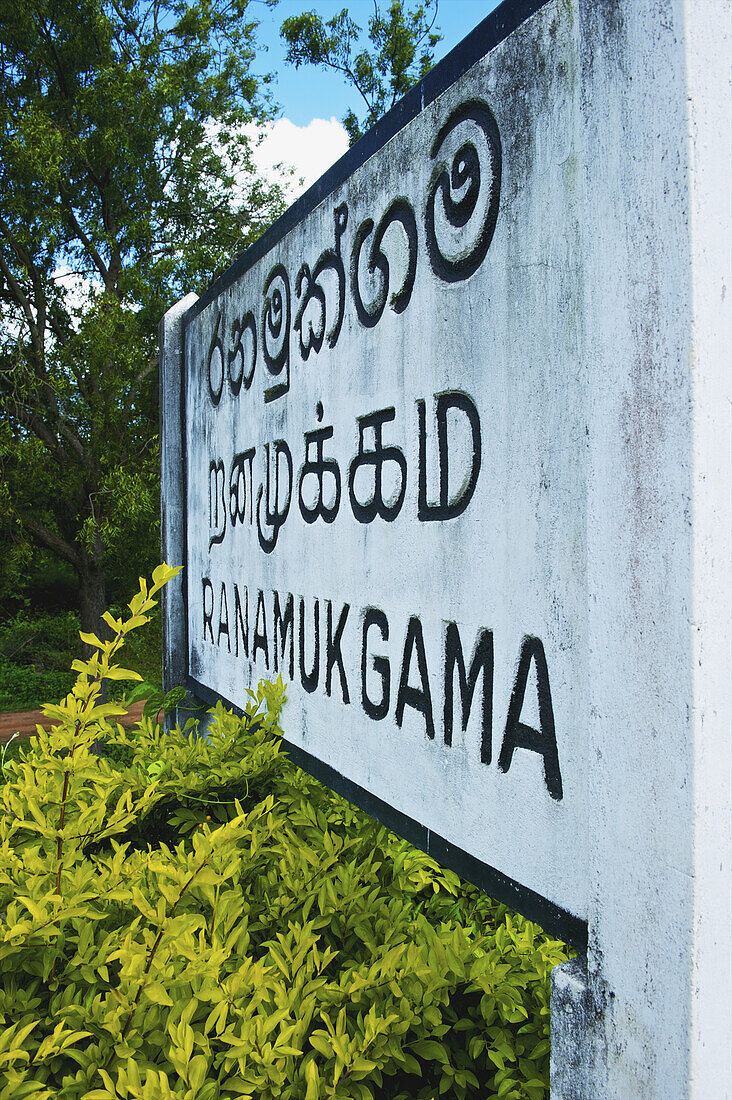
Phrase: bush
(197, 918)
(35, 654)
(145, 649)
(37, 649)
(21, 688)
(42, 639)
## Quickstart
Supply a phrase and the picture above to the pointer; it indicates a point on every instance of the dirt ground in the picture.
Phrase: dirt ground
(24, 722)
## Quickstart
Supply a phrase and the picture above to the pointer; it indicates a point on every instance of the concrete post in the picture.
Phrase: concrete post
(172, 497)
(651, 1016)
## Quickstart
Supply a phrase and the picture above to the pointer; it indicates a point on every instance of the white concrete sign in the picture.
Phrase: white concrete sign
(451, 434)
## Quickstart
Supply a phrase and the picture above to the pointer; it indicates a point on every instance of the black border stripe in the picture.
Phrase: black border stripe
(552, 918)
(493, 29)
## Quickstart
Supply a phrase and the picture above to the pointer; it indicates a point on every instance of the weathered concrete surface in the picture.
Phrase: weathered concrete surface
(571, 1008)
(708, 53)
(656, 151)
(448, 329)
(565, 377)
(173, 495)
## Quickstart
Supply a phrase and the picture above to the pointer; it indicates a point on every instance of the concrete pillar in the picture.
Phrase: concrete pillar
(173, 498)
(651, 1017)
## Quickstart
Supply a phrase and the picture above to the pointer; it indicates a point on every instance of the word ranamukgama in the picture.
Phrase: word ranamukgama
(274, 628)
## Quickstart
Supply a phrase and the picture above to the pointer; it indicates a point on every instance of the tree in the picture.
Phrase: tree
(402, 43)
(126, 179)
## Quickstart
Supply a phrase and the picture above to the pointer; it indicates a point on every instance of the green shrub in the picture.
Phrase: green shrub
(145, 648)
(37, 649)
(44, 639)
(22, 687)
(197, 918)
(35, 654)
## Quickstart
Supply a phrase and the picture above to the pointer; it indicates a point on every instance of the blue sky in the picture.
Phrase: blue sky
(309, 92)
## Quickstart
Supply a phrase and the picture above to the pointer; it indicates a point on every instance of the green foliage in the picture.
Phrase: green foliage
(156, 701)
(21, 688)
(37, 649)
(201, 920)
(126, 179)
(401, 53)
(10, 750)
(144, 652)
(35, 654)
(48, 641)
(45, 585)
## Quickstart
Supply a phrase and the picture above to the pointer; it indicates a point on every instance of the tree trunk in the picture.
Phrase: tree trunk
(93, 603)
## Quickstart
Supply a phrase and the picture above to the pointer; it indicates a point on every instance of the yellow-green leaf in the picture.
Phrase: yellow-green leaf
(157, 993)
(197, 1069)
(118, 673)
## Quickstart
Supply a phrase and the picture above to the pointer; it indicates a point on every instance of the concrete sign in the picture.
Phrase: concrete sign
(448, 472)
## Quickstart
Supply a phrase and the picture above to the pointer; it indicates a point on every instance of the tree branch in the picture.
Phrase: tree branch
(23, 301)
(134, 387)
(31, 420)
(58, 332)
(82, 236)
(57, 545)
(74, 442)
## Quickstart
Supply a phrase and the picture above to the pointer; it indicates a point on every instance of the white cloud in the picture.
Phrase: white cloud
(309, 150)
